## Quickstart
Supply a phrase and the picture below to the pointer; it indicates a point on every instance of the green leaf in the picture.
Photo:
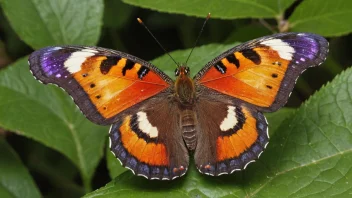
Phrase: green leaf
(48, 22)
(248, 32)
(124, 11)
(15, 180)
(311, 152)
(226, 9)
(328, 18)
(308, 155)
(59, 172)
(275, 119)
(48, 115)
(191, 185)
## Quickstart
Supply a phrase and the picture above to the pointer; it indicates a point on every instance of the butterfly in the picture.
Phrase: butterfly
(217, 115)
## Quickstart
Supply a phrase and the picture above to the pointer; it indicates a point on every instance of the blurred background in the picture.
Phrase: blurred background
(57, 176)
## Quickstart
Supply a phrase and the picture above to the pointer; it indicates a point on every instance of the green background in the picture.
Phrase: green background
(49, 149)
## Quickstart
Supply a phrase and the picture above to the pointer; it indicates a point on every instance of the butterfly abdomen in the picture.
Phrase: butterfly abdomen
(188, 124)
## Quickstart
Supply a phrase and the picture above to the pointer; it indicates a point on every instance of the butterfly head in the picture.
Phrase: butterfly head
(182, 71)
(184, 86)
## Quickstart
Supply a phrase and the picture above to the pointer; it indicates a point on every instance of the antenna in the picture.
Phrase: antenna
(141, 22)
(195, 43)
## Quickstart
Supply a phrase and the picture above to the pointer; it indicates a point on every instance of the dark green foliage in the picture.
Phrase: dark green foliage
(309, 154)
(14, 177)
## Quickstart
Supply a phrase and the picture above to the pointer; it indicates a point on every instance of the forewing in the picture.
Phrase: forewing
(102, 82)
(262, 72)
(147, 139)
(230, 136)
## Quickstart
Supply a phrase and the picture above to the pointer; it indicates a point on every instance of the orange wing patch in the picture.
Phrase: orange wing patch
(254, 76)
(115, 84)
(233, 146)
(154, 154)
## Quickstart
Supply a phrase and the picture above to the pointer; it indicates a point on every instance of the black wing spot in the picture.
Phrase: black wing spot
(232, 59)
(143, 71)
(108, 63)
(92, 85)
(84, 75)
(269, 87)
(251, 55)
(128, 66)
(98, 96)
(220, 67)
(274, 75)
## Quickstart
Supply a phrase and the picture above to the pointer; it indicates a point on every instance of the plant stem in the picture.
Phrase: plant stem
(267, 25)
(86, 184)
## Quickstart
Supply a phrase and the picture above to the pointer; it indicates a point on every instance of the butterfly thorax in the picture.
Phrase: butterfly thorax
(184, 86)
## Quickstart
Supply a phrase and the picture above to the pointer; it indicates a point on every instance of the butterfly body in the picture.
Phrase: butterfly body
(156, 120)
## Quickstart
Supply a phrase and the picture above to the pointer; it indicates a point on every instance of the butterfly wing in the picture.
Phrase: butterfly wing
(262, 72)
(230, 136)
(232, 90)
(147, 139)
(102, 82)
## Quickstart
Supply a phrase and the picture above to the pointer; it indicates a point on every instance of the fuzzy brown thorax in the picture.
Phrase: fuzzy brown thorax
(184, 86)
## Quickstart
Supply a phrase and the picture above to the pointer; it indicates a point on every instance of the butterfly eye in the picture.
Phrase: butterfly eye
(187, 70)
(177, 72)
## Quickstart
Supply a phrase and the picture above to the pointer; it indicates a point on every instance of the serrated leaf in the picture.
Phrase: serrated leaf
(15, 180)
(309, 155)
(226, 9)
(48, 22)
(48, 115)
(328, 18)
(313, 148)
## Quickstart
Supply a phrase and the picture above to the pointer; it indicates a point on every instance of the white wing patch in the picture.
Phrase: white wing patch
(145, 126)
(231, 120)
(74, 62)
(284, 49)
